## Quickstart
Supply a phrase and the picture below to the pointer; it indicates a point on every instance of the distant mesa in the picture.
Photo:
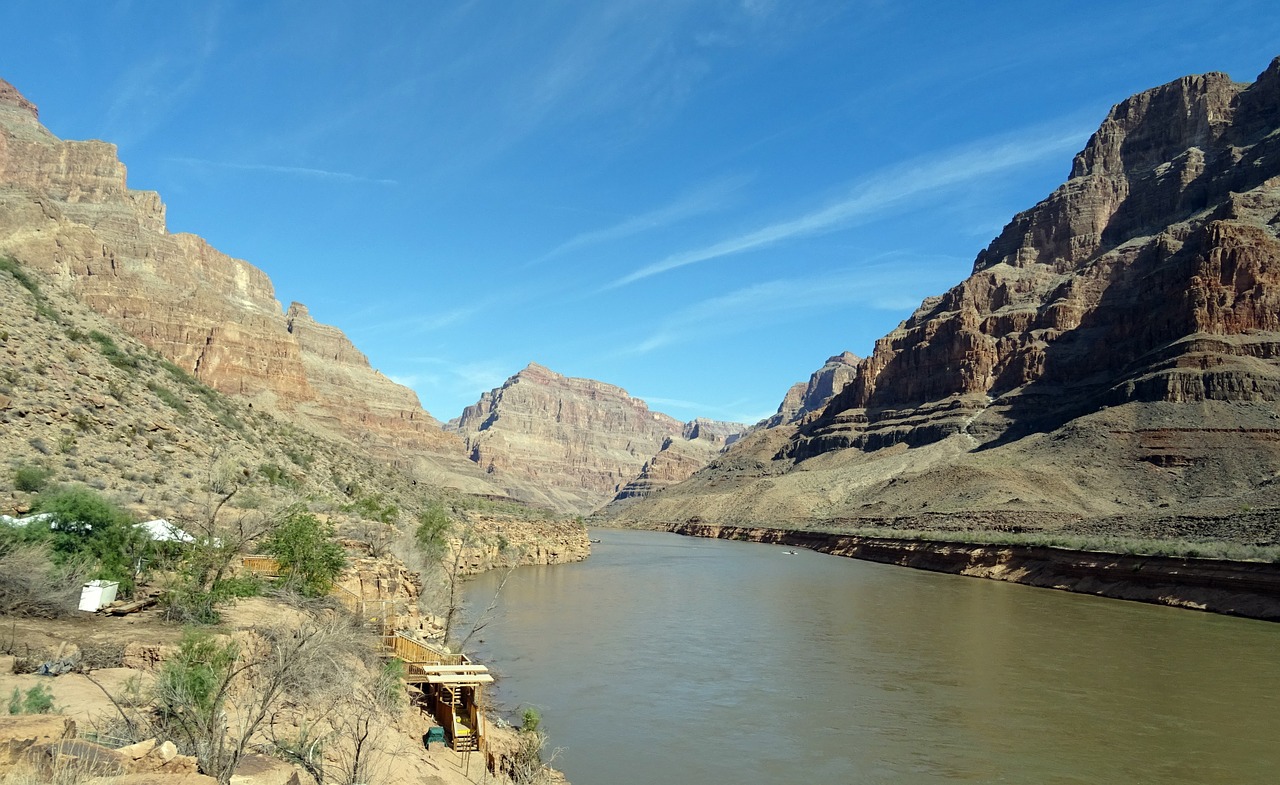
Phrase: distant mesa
(571, 443)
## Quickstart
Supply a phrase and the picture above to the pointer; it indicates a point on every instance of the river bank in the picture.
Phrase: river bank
(1248, 589)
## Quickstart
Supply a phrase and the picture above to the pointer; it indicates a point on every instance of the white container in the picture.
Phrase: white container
(95, 594)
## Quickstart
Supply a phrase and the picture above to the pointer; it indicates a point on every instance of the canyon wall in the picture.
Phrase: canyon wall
(1148, 276)
(573, 443)
(66, 210)
(1115, 352)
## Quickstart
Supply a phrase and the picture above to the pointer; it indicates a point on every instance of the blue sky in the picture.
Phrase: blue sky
(699, 201)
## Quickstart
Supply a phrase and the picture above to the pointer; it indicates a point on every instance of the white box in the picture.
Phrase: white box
(95, 594)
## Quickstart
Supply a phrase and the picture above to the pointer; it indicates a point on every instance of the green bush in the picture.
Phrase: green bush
(188, 687)
(114, 354)
(433, 528)
(86, 525)
(169, 397)
(31, 479)
(373, 508)
(309, 556)
(530, 720)
(37, 700)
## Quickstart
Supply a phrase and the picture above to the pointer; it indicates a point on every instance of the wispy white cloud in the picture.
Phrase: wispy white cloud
(297, 171)
(891, 189)
(894, 284)
(703, 200)
(148, 91)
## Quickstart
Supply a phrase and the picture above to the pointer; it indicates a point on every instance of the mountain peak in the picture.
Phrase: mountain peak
(10, 95)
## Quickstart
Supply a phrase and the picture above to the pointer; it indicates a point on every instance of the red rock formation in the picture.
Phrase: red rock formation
(823, 385)
(352, 397)
(577, 440)
(1150, 275)
(65, 209)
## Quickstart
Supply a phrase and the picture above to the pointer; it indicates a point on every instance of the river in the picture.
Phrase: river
(668, 659)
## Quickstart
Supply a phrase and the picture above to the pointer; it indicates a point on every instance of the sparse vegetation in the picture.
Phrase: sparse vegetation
(30, 478)
(373, 507)
(114, 354)
(11, 266)
(276, 475)
(169, 397)
(37, 700)
(210, 679)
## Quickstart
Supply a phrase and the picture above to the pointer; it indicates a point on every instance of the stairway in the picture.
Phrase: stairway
(464, 737)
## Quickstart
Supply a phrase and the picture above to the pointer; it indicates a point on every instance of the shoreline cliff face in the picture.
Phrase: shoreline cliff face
(1248, 589)
(1115, 352)
(66, 210)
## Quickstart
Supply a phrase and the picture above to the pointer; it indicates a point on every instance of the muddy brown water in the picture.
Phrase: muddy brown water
(666, 659)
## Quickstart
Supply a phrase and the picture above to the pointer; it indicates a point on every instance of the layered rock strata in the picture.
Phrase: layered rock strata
(1115, 352)
(567, 442)
(1150, 275)
(1238, 589)
(824, 384)
(66, 209)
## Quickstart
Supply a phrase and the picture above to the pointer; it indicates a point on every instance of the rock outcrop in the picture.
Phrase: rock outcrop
(352, 397)
(569, 443)
(1114, 354)
(806, 397)
(1150, 275)
(675, 462)
(66, 210)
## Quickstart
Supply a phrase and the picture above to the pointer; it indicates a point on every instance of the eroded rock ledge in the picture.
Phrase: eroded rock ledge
(1249, 589)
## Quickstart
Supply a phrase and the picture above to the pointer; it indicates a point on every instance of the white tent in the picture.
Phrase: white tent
(161, 530)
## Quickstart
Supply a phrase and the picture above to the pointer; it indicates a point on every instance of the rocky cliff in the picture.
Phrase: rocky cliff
(1115, 351)
(805, 398)
(66, 210)
(571, 443)
(1147, 276)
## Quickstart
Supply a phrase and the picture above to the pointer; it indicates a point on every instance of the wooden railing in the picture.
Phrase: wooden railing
(380, 613)
(413, 652)
(262, 565)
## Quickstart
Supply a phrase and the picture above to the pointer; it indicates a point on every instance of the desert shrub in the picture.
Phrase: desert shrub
(10, 265)
(168, 397)
(310, 559)
(114, 354)
(373, 507)
(37, 700)
(433, 529)
(87, 525)
(30, 478)
(188, 683)
(276, 475)
(31, 584)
